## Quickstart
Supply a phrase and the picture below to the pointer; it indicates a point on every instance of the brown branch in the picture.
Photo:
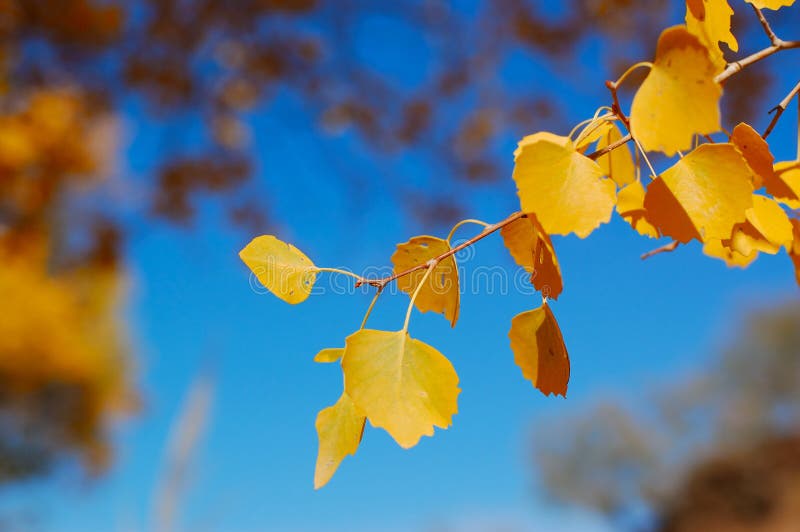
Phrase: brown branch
(668, 247)
(738, 66)
(615, 106)
(380, 283)
(779, 109)
(611, 147)
(765, 24)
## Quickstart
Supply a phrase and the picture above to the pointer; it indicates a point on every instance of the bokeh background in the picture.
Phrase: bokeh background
(147, 384)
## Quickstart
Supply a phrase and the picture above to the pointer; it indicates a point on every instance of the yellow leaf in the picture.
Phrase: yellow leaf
(331, 354)
(712, 24)
(679, 98)
(339, 428)
(701, 196)
(532, 249)
(539, 350)
(402, 385)
(564, 188)
(771, 4)
(592, 133)
(784, 186)
(441, 292)
(282, 268)
(617, 164)
(756, 152)
(766, 229)
(794, 251)
(630, 205)
(722, 250)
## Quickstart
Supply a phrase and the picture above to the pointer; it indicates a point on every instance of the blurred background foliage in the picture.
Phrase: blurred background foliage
(715, 450)
(72, 71)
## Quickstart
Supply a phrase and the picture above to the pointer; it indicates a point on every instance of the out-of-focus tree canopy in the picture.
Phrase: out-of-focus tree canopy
(715, 451)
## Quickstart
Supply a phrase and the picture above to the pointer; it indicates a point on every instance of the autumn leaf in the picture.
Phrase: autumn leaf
(402, 385)
(339, 428)
(770, 4)
(766, 229)
(679, 98)
(721, 249)
(330, 354)
(785, 184)
(617, 164)
(630, 205)
(539, 350)
(711, 23)
(590, 134)
(532, 249)
(441, 292)
(702, 196)
(282, 268)
(564, 189)
(794, 251)
(756, 152)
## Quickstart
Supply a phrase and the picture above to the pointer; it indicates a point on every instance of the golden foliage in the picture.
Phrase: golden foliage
(339, 428)
(539, 350)
(282, 268)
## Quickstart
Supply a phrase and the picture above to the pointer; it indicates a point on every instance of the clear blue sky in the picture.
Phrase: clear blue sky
(627, 324)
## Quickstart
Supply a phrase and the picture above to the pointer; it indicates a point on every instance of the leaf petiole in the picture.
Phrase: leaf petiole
(431, 265)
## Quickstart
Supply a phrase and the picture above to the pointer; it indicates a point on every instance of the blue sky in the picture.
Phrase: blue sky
(627, 324)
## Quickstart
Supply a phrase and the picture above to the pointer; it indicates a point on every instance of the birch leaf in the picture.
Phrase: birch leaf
(630, 205)
(282, 268)
(539, 350)
(339, 428)
(756, 152)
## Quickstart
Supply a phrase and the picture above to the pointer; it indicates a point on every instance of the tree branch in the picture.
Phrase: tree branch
(779, 109)
(611, 147)
(738, 66)
(665, 248)
(765, 24)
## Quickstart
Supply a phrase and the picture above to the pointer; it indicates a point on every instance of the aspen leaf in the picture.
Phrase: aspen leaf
(402, 385)
(756, 152)
(794, 251)
(330, 354)
(539, 350)
(282, 268)
(564, 188)
(701, 196)
(770, 4)
(711, 23)
(617, 164)
(592, 133)
(532, 249)
(679, 97)
(767, 228)
(721, 249)
(630, 205)
(339, 428)
(441, 292)
(784, 186)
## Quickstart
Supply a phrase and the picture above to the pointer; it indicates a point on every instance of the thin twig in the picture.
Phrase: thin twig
(765, 24)
(739, 65)
(779, 109)
(611, 147)
(668, 247)
(615, 106)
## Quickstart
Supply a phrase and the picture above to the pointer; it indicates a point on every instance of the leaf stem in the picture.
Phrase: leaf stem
(371, 306)
(360, 280)
(431, 264)
(631, 68)
(464, 222)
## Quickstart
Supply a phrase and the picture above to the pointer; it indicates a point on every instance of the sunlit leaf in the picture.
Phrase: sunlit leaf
(282, 268)
(441, 292)
(330, 354)
(564, 188)
(710, 21)
(630, 205)
(702, 196)
(617, 164)
(339, 428)
(721, 249)
(402, 385)
(756, 152)
(532, 249)
(539, 350)
(794, 251)
(767, 228)
(771, 4)
(592, 133)
(679, 98)
(785, 184)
